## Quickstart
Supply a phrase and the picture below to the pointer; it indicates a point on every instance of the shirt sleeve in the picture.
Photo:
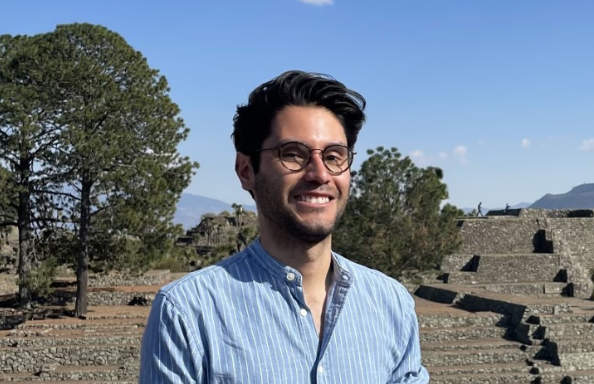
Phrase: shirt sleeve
(410, 369)
(166, 354)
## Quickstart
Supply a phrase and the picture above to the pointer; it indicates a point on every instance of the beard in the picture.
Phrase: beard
(271, 206)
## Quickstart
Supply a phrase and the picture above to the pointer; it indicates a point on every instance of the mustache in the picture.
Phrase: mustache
(315, 188)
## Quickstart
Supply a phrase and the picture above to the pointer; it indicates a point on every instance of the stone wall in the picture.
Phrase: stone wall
(574, 240)
(567, 233)
(114, 278)
(19, 360)
(501, 235)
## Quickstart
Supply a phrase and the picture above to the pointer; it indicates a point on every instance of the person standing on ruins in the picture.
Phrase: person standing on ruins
(287, 309)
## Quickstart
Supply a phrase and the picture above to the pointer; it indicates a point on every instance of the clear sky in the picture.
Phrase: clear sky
(498, 93)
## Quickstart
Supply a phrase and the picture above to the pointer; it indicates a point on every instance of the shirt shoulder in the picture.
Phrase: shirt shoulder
(202, 284)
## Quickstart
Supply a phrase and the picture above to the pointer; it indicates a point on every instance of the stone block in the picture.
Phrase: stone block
(519, 267)
(485, 356)
(432, 335)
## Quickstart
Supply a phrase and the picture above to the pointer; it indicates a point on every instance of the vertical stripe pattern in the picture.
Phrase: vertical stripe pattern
(245, 320)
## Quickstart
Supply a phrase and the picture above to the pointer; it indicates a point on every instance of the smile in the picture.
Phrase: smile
(313, 199)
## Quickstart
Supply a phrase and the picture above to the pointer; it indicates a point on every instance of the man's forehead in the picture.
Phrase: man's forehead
(307, 124)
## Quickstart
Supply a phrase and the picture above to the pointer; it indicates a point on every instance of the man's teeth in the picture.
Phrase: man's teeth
(314, 199)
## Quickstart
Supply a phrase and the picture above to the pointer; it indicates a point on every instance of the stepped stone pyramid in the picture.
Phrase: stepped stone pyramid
(533, 269)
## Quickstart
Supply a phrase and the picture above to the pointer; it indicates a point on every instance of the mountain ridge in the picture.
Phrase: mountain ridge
(191, 207)
(579, 197)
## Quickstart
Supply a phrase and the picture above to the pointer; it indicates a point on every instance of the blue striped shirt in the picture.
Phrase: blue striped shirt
(245, 320)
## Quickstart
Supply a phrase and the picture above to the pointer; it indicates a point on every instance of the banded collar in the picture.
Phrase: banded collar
(341, 275)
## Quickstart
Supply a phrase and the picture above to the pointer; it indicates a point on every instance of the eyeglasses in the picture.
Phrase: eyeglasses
(295, 156)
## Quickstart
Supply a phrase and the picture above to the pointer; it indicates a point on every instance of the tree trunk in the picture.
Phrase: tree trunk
(26, 248)
(82, 271)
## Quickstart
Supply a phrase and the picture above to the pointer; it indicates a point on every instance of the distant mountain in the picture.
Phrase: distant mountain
(190, 209)
(580, 197)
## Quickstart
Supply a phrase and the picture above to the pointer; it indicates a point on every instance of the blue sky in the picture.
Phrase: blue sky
(498, 93)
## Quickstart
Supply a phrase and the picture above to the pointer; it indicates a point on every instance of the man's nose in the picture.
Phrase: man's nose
(315, 169)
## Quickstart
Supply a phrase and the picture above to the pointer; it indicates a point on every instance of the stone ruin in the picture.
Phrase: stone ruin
(562, 240)
(232, 231)
(523, 278)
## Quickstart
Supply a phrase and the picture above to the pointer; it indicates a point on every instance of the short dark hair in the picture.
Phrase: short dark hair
(252, 121)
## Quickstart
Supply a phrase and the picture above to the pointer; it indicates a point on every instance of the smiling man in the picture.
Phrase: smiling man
(288, 309)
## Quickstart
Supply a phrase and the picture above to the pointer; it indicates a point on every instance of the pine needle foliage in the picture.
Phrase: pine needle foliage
(394, 220)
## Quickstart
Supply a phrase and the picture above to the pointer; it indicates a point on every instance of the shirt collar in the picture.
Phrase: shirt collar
(340, 273)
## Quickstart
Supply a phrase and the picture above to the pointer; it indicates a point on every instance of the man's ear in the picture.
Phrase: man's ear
(245, 172)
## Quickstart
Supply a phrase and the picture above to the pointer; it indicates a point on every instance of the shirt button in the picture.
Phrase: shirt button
(345, 276)
(290, 276)
(303, 312)
(320, 369)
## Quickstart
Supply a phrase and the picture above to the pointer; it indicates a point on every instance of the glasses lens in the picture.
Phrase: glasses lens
(294, 156)
(337, 158)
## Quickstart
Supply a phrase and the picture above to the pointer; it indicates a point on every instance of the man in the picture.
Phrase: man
(287, 309)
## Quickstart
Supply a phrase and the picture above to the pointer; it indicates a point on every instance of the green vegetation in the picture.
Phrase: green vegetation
(179, 260)
(41, 278)
(393, 221)
(88, 151)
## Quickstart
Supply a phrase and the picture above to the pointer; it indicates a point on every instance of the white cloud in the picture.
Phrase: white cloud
(460, 153)
(318, 2)
(419, 157)
(442, 155)
(587, 145)
(526, 143)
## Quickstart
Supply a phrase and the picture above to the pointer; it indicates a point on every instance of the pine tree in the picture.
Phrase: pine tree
(28, 134)
(393, 220)
(118, 150)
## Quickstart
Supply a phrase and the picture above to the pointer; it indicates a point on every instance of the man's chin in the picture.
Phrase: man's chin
(312, 238)
(311, 235)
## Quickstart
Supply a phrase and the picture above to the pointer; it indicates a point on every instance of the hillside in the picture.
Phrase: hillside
(190, 209)
(580, 197)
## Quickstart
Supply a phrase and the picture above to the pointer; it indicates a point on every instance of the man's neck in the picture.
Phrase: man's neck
(313, 261)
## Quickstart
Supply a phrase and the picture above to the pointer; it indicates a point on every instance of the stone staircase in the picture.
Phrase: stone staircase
(519, 265)
(564, 343)
(507, 273)
(469, 347)
(103, 347)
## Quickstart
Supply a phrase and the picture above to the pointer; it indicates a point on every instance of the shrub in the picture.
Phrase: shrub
(41, 278)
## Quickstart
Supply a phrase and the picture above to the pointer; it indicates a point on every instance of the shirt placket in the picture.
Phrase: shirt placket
(336, 297)
(334, 305)
(302, 313)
